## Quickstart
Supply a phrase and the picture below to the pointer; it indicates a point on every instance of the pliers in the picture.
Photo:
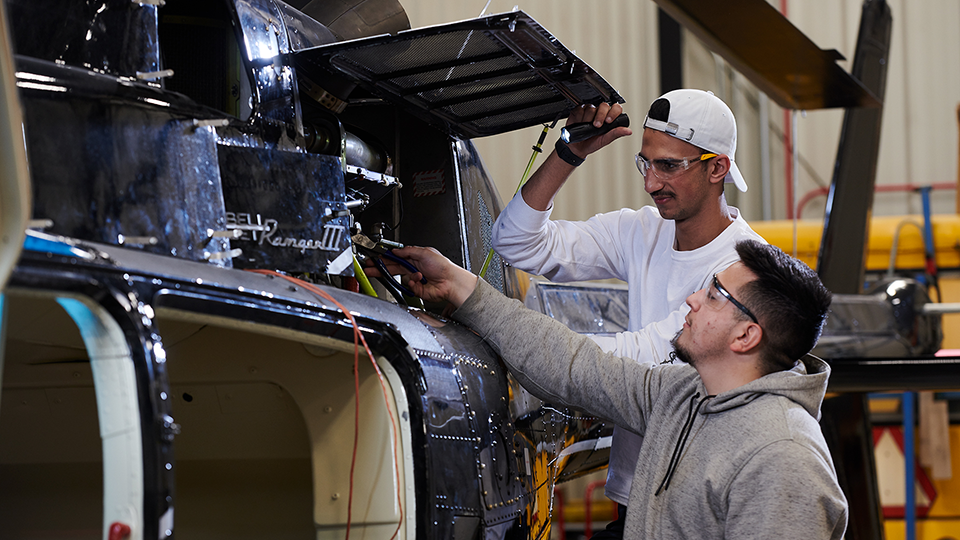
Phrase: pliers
(404, 263)
(389, 282)
(376, 251)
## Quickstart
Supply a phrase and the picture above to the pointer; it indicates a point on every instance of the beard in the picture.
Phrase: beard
(679, 352)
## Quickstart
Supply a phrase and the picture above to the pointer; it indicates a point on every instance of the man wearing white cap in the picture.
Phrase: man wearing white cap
(664, 254)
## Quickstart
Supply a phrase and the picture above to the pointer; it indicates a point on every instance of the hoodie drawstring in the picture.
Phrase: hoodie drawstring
(681, 442)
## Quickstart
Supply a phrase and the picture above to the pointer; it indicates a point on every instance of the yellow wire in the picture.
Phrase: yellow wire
(523, 180)
(365, 286)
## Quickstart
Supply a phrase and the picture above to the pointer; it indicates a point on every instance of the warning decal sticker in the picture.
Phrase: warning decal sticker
(429, 183)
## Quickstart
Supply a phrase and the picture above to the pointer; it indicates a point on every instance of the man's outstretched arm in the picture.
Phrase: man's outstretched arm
(552, 361)
(445, 281)
(543, 186)
(523, 234)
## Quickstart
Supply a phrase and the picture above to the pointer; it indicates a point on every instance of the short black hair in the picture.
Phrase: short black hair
(660, 110)
(788, 299)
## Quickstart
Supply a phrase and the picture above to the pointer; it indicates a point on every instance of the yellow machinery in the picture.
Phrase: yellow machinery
(902, 236)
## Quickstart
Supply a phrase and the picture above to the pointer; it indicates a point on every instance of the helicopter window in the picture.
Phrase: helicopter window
(54, 408)
(243, 453)
(198, 43)
(267, 426)
(265, 440)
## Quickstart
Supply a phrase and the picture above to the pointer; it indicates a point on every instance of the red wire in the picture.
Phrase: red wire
(356, 421)
(357, 334)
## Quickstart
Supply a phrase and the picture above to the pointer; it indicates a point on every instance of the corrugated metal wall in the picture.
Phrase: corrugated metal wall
(618, 38)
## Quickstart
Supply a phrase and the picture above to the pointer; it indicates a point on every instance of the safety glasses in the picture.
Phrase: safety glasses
(717, 300)
(668, 168)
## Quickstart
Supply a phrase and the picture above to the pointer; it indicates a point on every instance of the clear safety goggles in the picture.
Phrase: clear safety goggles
(717, 297)
(668, 168)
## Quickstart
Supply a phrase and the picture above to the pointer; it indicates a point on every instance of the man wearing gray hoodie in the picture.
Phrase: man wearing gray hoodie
(731, 444)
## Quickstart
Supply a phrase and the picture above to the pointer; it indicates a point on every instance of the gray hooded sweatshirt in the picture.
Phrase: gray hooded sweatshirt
(747, 463)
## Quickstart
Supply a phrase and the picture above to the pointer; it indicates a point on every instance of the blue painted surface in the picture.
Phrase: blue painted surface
(910, 504)
(33, 242)
(927, 223)
(85, 320)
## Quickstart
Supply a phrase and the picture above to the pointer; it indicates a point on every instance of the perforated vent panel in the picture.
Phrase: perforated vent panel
(494, 275)
(473, 78)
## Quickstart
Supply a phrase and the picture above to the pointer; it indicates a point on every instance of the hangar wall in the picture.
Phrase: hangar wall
(619, 38)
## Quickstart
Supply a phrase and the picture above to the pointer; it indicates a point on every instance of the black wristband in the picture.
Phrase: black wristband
(566, 154)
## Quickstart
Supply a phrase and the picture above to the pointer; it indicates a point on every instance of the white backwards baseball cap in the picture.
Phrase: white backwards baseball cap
(703, 120)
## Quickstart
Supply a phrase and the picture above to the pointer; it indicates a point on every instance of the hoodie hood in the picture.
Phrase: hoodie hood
(805, 385)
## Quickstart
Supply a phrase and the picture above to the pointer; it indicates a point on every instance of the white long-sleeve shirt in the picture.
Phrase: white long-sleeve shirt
(635, 246)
